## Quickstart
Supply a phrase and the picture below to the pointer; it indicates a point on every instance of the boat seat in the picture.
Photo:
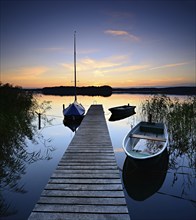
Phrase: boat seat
(157, 128)
(140, 136)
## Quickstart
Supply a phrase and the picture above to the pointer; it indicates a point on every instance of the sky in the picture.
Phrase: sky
(121, 43)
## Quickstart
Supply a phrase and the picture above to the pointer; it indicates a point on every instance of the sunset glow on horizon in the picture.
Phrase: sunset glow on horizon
(119, 43)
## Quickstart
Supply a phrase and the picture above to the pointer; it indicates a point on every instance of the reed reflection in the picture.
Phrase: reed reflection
(17, 129)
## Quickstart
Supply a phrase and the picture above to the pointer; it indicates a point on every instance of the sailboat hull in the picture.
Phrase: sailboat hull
(74, 110)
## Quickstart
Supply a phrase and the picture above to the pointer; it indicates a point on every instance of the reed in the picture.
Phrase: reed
(180, 118)
(17, 114)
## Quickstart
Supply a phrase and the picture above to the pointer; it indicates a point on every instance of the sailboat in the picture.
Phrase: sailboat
(75, 110)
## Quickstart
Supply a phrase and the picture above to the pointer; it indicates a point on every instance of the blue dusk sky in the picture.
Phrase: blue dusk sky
(121, 43)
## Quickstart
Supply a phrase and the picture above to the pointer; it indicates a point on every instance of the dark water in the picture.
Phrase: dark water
(166, 191)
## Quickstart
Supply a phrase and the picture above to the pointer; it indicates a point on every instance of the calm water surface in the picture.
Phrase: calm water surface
(165, 192)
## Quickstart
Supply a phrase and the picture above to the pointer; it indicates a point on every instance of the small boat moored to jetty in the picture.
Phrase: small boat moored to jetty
(146, 140)
(123, 110)
(74, 111)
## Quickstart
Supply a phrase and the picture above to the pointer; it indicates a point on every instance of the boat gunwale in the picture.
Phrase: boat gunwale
(122, 108)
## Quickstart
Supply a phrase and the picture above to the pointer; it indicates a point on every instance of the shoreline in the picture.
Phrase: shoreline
(108, 91)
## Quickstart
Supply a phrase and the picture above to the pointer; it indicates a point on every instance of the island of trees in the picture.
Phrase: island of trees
(108, 91)
(70, 90)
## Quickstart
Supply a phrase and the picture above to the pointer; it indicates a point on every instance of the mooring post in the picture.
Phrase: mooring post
(39, 120)
(150, 118)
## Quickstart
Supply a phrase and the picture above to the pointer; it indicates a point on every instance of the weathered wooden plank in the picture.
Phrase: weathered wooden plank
(90, 143)
(89, 156)
(90, 147)
(81, 208)
(82, 181)
(82, 201)
(83, 167)
(91, 137)
(81, 216)
(79, 186)
(100, 194)
(94, 148)
(88, 160)
(83, 171)
(86, 175)
(91, 163)
(89, 150)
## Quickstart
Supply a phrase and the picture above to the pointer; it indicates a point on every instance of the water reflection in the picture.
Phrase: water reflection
(17, 129)
(117, 117)
(141, 182)
(71, 123)
(179, 181)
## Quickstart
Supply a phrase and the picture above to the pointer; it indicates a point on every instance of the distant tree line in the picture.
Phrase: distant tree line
(180, 90)
(70, 90)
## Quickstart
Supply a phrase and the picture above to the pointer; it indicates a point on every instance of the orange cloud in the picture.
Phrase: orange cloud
(122, 33)
(96, 67)
(29, 72)
(25, 76)
(169, 65)
(111, 70)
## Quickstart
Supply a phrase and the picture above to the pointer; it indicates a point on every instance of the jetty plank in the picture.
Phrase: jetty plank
(86, 184)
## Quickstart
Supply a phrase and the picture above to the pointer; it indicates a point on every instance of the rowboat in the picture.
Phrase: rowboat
(146, 140)
(123, 110)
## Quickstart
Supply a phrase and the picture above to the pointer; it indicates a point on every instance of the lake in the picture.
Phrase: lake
(165, 192)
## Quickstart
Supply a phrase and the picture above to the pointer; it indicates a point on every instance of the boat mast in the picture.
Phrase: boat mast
(75, 64)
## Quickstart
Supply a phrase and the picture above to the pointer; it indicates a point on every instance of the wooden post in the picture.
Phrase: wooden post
(150, 118)
(39, 121)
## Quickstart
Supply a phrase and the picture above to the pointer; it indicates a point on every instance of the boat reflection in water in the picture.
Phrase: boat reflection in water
(116, 117)
(142, 182)
(72, 123)
(121, 112)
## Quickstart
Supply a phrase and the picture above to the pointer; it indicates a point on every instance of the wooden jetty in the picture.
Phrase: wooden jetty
(86, 184)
